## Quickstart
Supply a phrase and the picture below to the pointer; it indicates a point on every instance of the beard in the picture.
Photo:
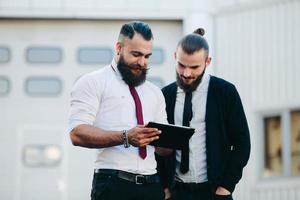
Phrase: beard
(128, 76)
(189, 87)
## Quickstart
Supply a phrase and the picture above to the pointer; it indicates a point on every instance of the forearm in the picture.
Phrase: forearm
(91, 137)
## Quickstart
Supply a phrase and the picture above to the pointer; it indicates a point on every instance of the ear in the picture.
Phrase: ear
(118, 47)
(208, 61)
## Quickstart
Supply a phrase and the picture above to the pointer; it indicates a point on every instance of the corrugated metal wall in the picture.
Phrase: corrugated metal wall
(257, 48)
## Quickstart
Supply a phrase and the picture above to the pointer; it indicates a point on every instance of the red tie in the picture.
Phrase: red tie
(139, 116)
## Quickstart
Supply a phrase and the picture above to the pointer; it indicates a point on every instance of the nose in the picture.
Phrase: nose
(142, 62)
(186, 72)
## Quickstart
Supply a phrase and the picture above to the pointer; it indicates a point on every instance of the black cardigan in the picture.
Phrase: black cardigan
(227, 135)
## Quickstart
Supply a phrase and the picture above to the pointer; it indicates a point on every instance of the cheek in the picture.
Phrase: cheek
(179, 70)
(197, 73)
(129, 59)
(147, 61)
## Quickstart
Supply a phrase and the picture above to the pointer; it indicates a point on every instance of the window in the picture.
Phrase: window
(42, 155)
(4, 54)
(282, 144)
(295, 142)
(48, 55)
(157, 56)
(43, 86)
(4, 86)
(273, 146)
(94, 55)
(156, 81)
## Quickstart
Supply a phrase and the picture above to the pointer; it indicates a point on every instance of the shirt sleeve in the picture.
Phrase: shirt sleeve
(84, 102)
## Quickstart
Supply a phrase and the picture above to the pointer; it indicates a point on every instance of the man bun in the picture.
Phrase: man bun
(199, 31)
(194, 42)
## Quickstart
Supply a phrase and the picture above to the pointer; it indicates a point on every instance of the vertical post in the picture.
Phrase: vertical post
(200, 14)
(286, 143)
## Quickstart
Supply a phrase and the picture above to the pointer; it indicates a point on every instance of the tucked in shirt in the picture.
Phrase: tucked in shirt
(197, 156)
(103, 99)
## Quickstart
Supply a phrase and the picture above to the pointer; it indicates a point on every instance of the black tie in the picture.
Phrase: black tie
(187, 116)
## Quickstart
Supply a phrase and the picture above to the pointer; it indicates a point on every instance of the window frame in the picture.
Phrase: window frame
(9, 54)
(84, 63)
(5, 78)
(163, 56)
(43, 94)
(55, 63)
(285, 116)
(42, 147)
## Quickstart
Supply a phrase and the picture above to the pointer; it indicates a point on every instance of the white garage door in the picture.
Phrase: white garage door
(39, 62)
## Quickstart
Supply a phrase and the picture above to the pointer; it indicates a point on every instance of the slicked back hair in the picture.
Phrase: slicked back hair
(129, 29)
(194, 42)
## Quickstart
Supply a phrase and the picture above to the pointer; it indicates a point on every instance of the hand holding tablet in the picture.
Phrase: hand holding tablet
(172, 136)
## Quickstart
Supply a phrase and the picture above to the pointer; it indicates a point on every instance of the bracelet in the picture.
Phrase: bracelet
(125, 138)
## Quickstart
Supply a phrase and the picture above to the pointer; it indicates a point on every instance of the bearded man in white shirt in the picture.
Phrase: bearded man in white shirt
(109, 110)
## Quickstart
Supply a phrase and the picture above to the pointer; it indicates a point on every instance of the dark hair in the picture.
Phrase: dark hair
(129, 29)
(194, 42)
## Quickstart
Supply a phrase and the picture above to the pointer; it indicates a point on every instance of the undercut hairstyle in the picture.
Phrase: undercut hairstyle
(129, 29)
(194, 42)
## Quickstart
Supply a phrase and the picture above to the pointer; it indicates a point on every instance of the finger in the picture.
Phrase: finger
(148, 140)
(148, 130)
(154, 138)
(151, 134)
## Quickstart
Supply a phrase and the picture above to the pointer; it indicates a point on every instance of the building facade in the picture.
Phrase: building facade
(45, 46)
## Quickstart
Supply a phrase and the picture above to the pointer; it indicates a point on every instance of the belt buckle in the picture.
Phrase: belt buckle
(137, 177)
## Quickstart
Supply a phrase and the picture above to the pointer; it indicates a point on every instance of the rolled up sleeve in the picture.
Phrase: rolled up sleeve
(84, 102)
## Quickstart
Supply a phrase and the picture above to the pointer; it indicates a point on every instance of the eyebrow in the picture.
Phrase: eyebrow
(193, 66)
(140, 53)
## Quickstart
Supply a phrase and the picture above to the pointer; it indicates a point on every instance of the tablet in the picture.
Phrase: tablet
(172, 136)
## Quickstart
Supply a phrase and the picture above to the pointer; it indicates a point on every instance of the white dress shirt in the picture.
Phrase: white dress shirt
(197, 157)
(103, 99)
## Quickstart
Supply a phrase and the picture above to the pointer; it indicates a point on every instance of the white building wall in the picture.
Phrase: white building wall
(253, 43)
(41, 120)
(257, 48)
(204, 20)
(120, 9)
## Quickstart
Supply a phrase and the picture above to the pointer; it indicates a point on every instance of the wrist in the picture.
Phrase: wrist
(125, 138)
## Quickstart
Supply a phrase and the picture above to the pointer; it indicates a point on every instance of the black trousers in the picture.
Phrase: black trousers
(193, 191)
(111, 187)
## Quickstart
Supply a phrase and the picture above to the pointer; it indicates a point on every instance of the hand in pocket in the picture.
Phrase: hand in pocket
(223, 197)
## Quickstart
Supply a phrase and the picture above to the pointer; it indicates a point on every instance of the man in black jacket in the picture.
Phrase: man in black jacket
(211, 166)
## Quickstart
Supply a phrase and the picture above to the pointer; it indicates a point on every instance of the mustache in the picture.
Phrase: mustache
(186, 77)
(138, 67)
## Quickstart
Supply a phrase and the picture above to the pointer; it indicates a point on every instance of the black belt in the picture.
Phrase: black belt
(193, 186)
(135, 178)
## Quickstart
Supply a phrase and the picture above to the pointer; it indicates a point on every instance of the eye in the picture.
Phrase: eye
(135, 54)
(181, 65)
(195, 67)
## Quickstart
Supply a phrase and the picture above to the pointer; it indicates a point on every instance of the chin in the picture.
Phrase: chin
(136, 72)
(188, 83)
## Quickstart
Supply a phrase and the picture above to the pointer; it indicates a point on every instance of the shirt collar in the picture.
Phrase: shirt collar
(115, 68)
